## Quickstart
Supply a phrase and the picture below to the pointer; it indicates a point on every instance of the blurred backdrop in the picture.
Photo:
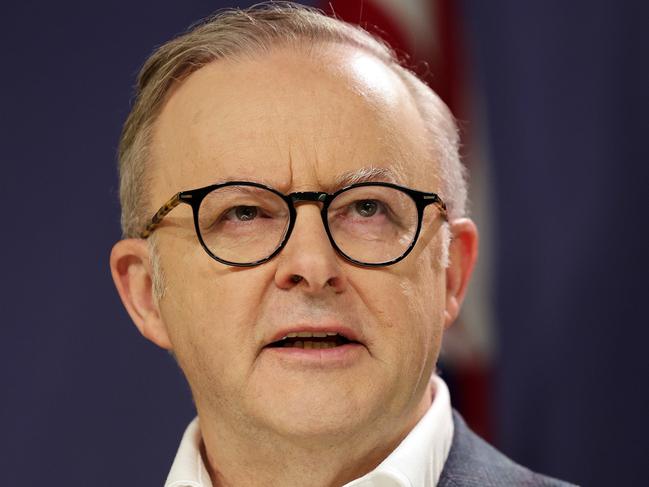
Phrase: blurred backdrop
(549, 359)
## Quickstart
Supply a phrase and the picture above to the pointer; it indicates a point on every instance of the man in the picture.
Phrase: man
(309, 251)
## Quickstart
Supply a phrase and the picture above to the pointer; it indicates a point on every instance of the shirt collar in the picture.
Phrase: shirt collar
(188, 469)
(417, 461)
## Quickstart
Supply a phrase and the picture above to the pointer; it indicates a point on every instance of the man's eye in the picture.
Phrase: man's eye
(242, 213)
(367, 208)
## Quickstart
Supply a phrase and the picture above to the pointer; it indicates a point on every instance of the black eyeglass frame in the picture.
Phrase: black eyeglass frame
(195, 197)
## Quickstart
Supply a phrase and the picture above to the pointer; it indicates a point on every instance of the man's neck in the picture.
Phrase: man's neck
(234, 458)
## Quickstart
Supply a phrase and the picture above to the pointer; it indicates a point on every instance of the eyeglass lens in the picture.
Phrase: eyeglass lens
(369, 224)
(372, 224)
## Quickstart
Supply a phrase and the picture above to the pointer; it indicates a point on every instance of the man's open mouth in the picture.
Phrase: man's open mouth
(312, 340)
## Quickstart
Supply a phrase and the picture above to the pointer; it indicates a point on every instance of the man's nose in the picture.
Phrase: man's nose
(308, 260)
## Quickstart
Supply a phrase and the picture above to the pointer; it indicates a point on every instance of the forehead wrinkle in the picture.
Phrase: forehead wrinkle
(291, 172)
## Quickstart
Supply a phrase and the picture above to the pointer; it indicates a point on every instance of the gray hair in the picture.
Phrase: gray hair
(236, 32)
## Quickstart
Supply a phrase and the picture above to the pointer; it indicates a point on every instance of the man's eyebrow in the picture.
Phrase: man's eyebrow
(362, 175)
(259, 179)
(367, 174)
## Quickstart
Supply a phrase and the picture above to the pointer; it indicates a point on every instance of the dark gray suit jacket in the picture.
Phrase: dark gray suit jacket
(472, 462)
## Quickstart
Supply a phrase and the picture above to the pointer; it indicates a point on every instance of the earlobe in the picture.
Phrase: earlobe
(131, 271)
(463, 253)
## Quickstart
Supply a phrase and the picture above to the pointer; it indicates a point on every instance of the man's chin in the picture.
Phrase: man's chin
(317, 412)
(323, 426)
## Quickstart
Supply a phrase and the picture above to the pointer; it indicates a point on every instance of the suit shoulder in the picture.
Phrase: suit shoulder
(473, 462)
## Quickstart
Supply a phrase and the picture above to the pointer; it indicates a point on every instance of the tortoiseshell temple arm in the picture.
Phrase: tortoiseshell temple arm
(160, 214)
(441, 206)
(442, 209)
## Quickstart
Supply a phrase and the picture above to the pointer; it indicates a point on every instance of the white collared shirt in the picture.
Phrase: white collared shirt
(417, 461)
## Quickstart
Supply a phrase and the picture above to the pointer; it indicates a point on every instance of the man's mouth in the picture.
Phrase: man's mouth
(312, 340)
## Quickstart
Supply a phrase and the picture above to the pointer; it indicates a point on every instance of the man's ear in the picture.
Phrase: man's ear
(463, 253)
(131, 270)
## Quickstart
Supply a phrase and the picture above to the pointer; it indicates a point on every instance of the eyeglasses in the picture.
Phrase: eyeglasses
(244, 224)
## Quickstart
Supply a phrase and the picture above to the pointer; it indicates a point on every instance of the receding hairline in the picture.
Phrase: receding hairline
(324, 59)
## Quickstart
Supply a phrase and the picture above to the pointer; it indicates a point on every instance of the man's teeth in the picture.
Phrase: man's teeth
(322, 339)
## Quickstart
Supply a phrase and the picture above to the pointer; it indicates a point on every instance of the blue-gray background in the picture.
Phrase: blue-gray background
(86, 401)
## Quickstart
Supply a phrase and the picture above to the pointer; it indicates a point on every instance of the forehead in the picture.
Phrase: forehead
(294, 119)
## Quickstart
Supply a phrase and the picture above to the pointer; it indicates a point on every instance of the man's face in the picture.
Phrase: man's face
(297, 122)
